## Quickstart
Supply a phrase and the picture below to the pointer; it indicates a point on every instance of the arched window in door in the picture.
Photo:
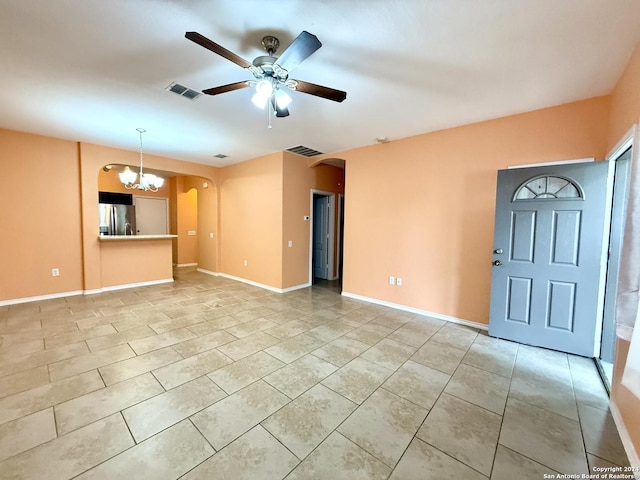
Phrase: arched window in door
(548, 186)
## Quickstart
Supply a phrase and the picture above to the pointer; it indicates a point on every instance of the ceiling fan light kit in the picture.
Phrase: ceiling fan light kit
(271, 73)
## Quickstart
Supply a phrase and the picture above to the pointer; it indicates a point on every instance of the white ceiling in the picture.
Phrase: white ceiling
(95, 70)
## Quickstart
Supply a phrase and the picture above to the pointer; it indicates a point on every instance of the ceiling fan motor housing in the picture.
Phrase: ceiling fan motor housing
(270, 44)
(269, 70)
(266, 66)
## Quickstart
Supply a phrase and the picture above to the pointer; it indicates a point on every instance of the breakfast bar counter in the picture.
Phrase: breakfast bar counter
(135, 260)
(112, 238)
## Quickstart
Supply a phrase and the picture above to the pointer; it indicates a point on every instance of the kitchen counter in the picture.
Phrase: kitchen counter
(128, 260)
(111, 238)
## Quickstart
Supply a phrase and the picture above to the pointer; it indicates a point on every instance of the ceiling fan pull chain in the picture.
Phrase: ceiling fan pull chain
(269, 114)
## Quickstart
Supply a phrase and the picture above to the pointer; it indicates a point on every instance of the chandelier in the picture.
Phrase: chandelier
(148, 181)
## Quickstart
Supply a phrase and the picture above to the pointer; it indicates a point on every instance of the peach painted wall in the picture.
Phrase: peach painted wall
(251, 219)
(208, 224)
(92, 159)
(422, 208)
(298, 180)
(204, 203)
(186, 199)
(54, 224)
(40, 216)
(196, 208)
(625, 100)
(625, 111)
(145, 260)
(173, 216)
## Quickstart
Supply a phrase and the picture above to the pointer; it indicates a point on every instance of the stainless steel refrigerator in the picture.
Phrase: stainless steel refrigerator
(117, 219)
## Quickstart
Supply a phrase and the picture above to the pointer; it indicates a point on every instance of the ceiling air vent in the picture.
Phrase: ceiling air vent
(183, 91)
(304, 151)
(220, 155)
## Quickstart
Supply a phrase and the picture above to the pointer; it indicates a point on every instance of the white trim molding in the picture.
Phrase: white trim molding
(405, 308)
(131, 285)
(208, 272)
(73, 293)
(180, 265)
(38, 298)
(557, 162)
(257, 284)
(627, 141)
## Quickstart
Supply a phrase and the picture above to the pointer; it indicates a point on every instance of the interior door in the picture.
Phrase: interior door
(320, 237)
(549, 256)
(152, 215)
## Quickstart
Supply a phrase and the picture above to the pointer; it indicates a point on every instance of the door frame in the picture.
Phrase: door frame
(340, 239)
(629, 140)
(332, 232)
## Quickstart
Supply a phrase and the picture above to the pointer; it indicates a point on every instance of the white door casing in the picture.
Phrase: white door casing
(320, 237)
(330, 222)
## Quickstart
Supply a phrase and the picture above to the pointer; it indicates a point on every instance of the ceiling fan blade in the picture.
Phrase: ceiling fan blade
(320, 91)
(299, 50)
(215, 48)
(226, 88)
(280, 112)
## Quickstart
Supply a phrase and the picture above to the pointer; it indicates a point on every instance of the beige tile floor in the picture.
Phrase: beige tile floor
(207, 378)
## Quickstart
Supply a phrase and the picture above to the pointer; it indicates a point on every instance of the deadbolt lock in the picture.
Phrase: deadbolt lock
(498, 251)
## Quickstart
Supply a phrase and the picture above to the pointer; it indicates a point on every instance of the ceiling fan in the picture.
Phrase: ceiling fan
(272, 73)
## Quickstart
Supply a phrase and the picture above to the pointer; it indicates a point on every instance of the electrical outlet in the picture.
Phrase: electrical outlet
(210, 234)
(191, 232)
(290, 243)
(55, 272)
(246, 263)
(392, 280)
(399, 281)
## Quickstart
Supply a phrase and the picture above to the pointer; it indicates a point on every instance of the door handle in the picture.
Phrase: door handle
(496, 263)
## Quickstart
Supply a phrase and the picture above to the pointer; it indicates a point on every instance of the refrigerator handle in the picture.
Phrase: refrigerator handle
(114, 220)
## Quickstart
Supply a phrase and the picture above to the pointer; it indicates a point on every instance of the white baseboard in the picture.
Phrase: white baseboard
(208, 272)
(180, 265)
(128, 285)
(296, 287)
(405, 308)
(632, 455)
(257, 284)
(51, 296)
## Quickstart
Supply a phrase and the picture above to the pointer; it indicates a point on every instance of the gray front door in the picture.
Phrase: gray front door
(549, 255)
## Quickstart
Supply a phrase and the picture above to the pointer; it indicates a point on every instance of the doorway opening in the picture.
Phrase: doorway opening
(325, 249)
(186, 248)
